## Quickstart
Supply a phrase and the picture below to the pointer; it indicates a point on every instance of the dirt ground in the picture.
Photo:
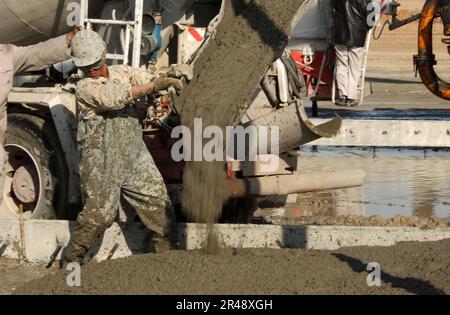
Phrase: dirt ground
(407, 268)
(393, 52)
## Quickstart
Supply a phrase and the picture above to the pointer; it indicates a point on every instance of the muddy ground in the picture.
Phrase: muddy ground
(14, 274)
(407, 268)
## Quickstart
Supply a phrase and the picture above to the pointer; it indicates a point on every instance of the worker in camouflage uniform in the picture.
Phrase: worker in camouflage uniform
(115, 164)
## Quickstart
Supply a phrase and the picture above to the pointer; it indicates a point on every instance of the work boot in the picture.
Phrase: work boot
(161, 245)
(72, 254)
(341, 102)
(352, 103)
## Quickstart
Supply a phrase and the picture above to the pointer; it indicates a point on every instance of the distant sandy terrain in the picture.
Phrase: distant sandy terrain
(394, 51)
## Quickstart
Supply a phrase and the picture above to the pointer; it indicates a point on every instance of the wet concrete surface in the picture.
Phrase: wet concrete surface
(13, 274)
(407, 268)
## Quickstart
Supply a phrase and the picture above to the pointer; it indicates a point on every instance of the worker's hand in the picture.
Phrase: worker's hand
(162, 84)
(141, 90)
(180, 71)
(70, 35)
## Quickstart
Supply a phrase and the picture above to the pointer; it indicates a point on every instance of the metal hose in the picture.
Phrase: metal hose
(425, 60)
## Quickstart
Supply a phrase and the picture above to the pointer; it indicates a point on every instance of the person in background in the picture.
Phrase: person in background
(351, 26)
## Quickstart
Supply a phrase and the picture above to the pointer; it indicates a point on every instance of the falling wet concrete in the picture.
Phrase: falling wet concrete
(250, 36)
(407, 268)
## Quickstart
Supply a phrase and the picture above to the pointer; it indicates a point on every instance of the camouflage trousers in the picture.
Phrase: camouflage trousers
(116, 168)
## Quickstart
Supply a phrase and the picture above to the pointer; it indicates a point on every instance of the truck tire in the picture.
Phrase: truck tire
(37, 173)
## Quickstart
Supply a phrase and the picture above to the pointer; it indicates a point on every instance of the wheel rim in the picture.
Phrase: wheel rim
(23, 182)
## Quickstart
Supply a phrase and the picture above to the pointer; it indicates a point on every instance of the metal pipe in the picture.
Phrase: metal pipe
(54, 256)
(283, 83)
(113, 251)
(399, 23)
(110, 22)
(138, 17)
(295, 183)
(3, 248)
(23, 250)
(425, 60)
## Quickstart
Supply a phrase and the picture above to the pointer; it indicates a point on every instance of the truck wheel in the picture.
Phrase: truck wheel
(36, 175)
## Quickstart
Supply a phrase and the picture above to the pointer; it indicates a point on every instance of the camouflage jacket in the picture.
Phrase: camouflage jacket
(110, 94)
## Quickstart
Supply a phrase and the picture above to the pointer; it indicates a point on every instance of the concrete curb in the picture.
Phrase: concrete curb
(389, 133)
(307, 237)
(41, 238)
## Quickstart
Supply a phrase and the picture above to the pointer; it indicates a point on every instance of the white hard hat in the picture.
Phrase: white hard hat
(88, 48)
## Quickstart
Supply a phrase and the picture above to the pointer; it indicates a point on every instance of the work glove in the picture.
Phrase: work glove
(162, 84)
(180, 71)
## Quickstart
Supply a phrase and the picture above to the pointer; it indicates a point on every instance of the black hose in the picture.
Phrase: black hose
(271, 96)
(294, 76)
(294, 88)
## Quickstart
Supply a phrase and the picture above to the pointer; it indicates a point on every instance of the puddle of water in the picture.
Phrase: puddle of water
(399, 182)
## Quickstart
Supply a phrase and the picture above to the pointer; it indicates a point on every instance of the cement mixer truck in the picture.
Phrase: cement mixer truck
(42, 174)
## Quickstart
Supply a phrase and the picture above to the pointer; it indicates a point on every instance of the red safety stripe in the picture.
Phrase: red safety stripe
(195, 34)
(384, 6)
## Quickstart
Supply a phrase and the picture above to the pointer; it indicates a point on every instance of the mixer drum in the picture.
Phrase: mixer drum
(31, 21)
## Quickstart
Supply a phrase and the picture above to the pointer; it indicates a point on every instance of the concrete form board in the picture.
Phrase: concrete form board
(390, 133)
(123, 240)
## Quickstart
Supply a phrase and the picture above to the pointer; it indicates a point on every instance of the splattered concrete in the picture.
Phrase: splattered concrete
(407, 268)
(423, 223)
